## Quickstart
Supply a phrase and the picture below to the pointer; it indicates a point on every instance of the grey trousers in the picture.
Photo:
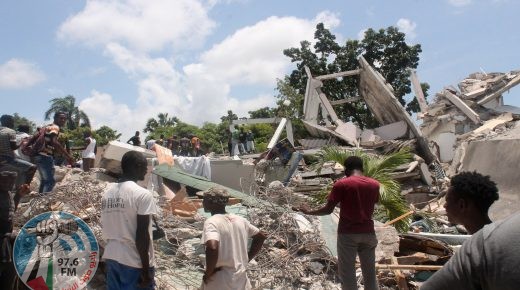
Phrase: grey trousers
(350, 245)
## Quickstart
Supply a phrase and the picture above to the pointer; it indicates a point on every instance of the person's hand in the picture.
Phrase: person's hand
(145, 279)
(303, 208)
(23, 190)
(71, 161)
(207, 276)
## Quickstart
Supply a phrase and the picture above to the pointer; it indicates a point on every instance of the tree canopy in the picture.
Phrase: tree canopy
(67, 104)
(385, 49)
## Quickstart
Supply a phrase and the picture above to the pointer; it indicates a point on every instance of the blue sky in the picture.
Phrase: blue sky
(126, 61)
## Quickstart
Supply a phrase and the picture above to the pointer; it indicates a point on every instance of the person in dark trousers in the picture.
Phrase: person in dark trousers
(357, 196)
(225, 237)
(8, 160)
(242, 139)
(468, 200)
(8, 205)
(135, 140)
(45, 158)
(126, 214)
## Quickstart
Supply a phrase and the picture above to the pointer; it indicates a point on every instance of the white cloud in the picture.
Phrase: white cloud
(459, 3)
(18, 74)
(361, 34)
(203, 90)
(408, 27)
(253, 54)
(145, 25)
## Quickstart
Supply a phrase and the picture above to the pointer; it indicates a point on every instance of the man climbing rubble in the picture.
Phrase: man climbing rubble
(357, 195)
(468, 200)
(126, 210)
(225, 237)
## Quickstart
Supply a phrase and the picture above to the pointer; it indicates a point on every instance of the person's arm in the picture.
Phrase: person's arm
(328, 208)
(211, 259)
(57, 144)
(130, 140)
(21, 192)
(12, 142)
(142, 242)
(256, 244)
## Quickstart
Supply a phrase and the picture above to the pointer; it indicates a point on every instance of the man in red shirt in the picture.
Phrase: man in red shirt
(357, 195)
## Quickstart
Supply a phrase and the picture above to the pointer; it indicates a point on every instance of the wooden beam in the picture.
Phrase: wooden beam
(328, 107)
(515, 81)
(406, 267)
(347, 100)
(418, 91)
(472, 115)
(399, 276)
(338, 75)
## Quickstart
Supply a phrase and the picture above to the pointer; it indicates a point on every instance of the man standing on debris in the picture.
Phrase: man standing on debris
(126, 211)
(8, 204)
(135, 140)
(45, 158)
(357, 195)
(225, 237)
(89, 153)
(8, 159)
(468, 200)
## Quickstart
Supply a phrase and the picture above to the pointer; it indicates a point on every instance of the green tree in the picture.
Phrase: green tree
(19, 120)
(162, 121)
(264, 112)
(105, 134)
(385, 49)
(75, 116)
(229, 117)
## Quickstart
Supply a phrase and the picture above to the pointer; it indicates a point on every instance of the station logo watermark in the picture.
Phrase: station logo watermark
(56, 250)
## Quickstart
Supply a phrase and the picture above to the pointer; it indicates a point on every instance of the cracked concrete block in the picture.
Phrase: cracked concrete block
(392, 131)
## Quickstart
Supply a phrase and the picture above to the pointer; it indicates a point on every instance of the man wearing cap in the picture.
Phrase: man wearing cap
(225, 237)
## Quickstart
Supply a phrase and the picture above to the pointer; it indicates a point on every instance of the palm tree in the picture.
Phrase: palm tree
(379, 168)
(75, 116)
(162, 121)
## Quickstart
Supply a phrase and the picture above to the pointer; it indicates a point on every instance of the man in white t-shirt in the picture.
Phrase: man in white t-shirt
(226, 237)
(126, 211)
(89, 153)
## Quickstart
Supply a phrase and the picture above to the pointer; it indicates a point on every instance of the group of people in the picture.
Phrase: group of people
(189, 145)
(488, 260)
(126, 217)
(24, 153)
(240, 142)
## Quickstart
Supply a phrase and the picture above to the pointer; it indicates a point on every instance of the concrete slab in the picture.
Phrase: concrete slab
(498, 159)
(392, 131)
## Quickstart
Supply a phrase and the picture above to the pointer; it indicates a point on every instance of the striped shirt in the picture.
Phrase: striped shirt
(7, 136)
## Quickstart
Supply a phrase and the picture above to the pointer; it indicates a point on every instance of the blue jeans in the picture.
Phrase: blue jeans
(25, 170)
(122, 277)
(46, 169)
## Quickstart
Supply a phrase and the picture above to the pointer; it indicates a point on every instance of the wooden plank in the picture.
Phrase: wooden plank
(515, 81)
(418, 91)
(347, 100)
(399, 276)
(328, 107)
(472, 115)
(338, 75)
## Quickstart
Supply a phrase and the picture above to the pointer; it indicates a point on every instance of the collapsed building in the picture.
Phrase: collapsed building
(461, 124)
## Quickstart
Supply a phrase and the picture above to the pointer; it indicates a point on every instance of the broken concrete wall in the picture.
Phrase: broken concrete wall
(499, 159)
